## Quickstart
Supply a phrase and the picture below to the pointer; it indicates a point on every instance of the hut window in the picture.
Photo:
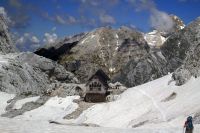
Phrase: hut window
(99, 87)
(90, 86)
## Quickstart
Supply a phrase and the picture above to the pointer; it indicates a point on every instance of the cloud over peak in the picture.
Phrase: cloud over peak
(107, 19)
(159, 20)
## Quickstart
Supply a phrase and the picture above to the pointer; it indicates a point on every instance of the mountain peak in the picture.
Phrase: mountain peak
(178, 23)
(6, 45)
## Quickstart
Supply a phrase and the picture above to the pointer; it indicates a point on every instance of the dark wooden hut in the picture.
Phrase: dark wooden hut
(97, 87)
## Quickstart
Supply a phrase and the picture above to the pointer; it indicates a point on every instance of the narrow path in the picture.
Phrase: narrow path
(155, 104)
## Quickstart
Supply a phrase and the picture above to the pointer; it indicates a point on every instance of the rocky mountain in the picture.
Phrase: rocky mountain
(156, 38)
(177, 45)
(104, 48)
(178, 23)
(147, 68)
(156, 63)
(107, 49)
(113, 50)
(129, 56)
(6, 45)
(30, 73)
(61, 48)
(182, 49)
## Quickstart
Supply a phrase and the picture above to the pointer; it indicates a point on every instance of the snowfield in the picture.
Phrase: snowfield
(54, 109)
(154, 104)
(21, 126)
(155, 107)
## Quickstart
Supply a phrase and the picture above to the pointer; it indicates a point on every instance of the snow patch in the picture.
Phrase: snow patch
(116, 35)
(4, 97)
(20, 103)
(163, 39)
(182, 27)
(154, 38)
(85, 40)
(111, 69)
(54, 109)
(92, 36)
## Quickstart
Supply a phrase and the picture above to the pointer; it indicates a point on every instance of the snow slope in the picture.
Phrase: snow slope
(21, 126)
(146, 106)
(54, 109)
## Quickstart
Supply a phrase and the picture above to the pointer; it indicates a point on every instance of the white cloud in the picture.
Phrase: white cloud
(34, 39)
(20, 41)
(71, 20)
(107, 19)
(27, 42)
(53, 29)
(59, 19)
(161, 20)
(50, 38)
(30, 42)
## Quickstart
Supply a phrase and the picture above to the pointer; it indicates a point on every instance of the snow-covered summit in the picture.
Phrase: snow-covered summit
(154, 38)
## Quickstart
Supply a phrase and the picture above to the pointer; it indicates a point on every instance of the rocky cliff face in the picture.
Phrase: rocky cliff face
(178, 23)
(181, 52)
(56, 50)
(6, 45)
(177, 45)
(107, 49)
(30, 73)
(187, 48)
(137, 72)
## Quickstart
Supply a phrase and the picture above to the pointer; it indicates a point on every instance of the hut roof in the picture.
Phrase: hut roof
(101, 75)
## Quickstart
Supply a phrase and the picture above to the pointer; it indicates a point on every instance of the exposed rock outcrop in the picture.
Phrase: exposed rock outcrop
(30, 73)
(136, 72)
(178, 23)
(182, 51)
(6, 45)
(62, 47)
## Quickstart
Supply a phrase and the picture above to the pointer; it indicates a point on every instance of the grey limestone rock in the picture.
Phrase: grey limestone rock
(6, 45)
(182, 51)
(27, 72)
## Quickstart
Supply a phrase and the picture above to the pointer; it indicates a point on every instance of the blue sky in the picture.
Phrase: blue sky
(58, 18)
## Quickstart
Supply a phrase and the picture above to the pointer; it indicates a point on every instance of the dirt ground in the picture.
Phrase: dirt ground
(82, 106)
